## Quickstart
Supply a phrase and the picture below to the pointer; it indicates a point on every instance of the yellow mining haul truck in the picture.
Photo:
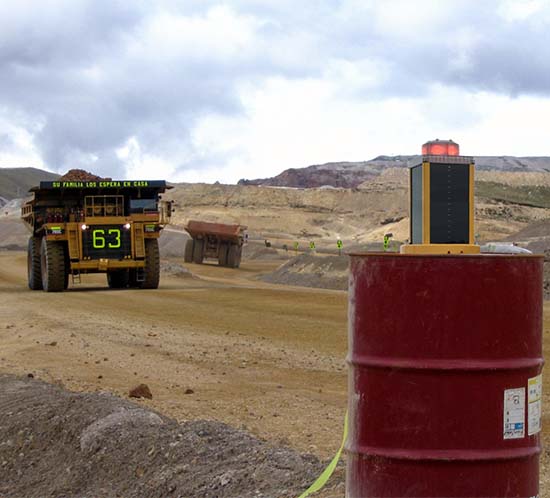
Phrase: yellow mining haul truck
(99, 226)
(215, 240)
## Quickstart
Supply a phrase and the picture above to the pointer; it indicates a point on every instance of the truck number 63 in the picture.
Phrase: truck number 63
(99, 238)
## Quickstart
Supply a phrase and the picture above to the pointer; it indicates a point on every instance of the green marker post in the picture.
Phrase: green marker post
(387, 238)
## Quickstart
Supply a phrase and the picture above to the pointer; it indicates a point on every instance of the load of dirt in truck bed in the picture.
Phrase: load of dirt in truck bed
(58, 443)
(312, 270)
(80, 175)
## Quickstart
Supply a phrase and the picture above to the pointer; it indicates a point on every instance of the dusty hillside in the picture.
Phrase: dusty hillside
(504, 205)
(284, 214)
(16, 182)
(326, 272)
(352, 174)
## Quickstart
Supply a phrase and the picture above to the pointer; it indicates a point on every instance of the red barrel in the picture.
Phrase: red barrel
(445, 357)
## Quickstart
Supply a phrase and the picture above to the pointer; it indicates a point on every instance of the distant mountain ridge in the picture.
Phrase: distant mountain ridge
(16, 182)
(352, 174)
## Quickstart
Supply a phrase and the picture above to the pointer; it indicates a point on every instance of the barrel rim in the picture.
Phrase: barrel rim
(458, 256)
(459, 364)
(453, 455)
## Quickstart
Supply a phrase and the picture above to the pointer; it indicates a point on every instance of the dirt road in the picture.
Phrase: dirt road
(267, 358)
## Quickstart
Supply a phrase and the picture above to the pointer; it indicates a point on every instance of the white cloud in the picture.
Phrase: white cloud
(17, 149)
(295, 124)
(221, 90)
(408, 19)
(219, 33)
(520, 10)
(509, 126)
(143, 166)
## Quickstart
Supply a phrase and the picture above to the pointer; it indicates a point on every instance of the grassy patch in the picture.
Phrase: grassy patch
(526, 195)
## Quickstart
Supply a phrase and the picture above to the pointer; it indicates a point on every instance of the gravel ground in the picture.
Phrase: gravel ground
(62, 444)
(310, 270)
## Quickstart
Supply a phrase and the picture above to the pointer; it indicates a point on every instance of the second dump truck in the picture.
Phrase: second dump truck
(215, 240)
(108, 227)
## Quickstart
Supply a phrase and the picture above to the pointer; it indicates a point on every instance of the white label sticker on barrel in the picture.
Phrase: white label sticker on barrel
(514, 413)
(534, 388)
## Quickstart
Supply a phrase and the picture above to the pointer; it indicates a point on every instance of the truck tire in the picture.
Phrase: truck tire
(118, 279)
(222, 254)
(151, 271)
(239, 256)
(33, 263)
(188, 255)
(232, 256)
(198, 251)
(67, 269)
(52, 265)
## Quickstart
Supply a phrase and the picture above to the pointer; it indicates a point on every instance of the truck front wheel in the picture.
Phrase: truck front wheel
(188, 255)
(239, 256)
(151, 271)
(33, 263)
(222, 254)
(233, 256)
(52, 262)
(198, 251)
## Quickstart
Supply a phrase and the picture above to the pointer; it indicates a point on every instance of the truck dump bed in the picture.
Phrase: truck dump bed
(221, 230)
(220, 241)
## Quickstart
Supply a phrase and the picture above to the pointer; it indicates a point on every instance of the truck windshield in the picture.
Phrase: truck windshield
(142, 205)
(104, 205)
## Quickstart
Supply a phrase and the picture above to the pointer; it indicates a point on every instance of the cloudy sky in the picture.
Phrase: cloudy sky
(206, 90)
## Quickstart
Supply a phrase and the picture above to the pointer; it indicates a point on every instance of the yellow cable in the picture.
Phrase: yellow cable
(325, 476)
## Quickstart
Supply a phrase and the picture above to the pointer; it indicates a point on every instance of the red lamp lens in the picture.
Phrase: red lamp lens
(440, 148)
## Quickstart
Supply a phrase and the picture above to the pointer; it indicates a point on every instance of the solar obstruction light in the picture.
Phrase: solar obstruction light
(442, 202)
